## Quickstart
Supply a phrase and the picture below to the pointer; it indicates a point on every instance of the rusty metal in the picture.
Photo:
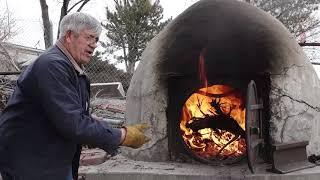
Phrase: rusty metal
(290, 157)
(253, 125)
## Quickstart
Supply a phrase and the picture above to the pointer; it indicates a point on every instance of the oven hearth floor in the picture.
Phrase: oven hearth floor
(121, 168)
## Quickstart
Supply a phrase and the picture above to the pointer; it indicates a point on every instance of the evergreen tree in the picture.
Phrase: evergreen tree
(129, 27)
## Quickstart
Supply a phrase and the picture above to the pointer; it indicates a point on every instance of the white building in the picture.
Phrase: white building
(20, 55)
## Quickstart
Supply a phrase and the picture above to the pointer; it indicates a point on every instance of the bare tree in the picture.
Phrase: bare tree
(296, 15)
(7, 25)
(47, 26)
(65, 9)
(7, 31)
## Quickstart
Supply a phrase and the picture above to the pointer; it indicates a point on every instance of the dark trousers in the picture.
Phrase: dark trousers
(6, 176)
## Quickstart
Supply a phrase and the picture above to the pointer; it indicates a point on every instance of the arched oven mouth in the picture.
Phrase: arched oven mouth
(216, 124)
(212, 124)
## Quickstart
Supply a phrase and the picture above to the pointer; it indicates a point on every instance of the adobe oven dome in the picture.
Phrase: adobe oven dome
(237, 39)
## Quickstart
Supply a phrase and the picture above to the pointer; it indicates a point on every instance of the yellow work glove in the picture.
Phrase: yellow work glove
(135, 136)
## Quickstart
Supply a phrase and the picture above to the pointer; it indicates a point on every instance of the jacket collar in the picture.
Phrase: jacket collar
(69, 56)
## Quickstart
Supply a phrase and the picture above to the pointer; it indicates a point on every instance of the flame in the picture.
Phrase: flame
(202, 69)
(209, 142)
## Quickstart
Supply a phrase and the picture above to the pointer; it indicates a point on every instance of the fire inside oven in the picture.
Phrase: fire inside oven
(212, 123)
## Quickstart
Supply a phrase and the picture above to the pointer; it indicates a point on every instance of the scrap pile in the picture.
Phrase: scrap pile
(111, 110)
(6, 89)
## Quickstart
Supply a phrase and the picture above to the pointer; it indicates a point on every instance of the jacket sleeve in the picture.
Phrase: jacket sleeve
(60, 100)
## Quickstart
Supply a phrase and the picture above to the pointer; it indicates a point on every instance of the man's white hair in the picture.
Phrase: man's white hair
(76, 22)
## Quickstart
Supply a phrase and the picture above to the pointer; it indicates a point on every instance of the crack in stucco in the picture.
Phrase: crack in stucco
(285, 123)
(286, 69)
(150, 147)
(155, 129)
(279, 94)
(282, 94)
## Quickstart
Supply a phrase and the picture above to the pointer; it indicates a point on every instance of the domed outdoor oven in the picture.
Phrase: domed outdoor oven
(221, 81)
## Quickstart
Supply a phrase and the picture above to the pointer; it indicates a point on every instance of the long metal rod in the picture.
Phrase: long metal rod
(10, 73)
(309, 44)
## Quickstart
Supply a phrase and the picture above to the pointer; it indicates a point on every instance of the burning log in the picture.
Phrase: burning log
(218, 121)
(212, 123)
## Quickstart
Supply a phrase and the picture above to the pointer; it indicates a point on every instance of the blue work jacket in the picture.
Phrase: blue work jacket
(46, 118)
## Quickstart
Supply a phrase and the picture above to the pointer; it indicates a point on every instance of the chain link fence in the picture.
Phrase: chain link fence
(98, 72)
(96, 75)
(103, 72)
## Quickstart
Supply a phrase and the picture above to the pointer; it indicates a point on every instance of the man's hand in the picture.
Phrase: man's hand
(135, 136)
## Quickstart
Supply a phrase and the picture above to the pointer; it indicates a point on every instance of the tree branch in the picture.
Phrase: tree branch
(47, 27)
(74, 5)
(84, 3)
(63, 12)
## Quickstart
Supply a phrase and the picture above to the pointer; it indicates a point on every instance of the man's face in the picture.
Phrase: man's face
(82, 45)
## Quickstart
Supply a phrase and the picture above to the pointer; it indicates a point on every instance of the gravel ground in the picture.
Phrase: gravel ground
(121, 164)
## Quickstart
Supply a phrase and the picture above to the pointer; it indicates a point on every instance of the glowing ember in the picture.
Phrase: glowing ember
(213, 123)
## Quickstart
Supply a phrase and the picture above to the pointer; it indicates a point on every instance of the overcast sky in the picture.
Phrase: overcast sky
(28, 16)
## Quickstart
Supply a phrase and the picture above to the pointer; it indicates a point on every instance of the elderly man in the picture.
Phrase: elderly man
(47, 118)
